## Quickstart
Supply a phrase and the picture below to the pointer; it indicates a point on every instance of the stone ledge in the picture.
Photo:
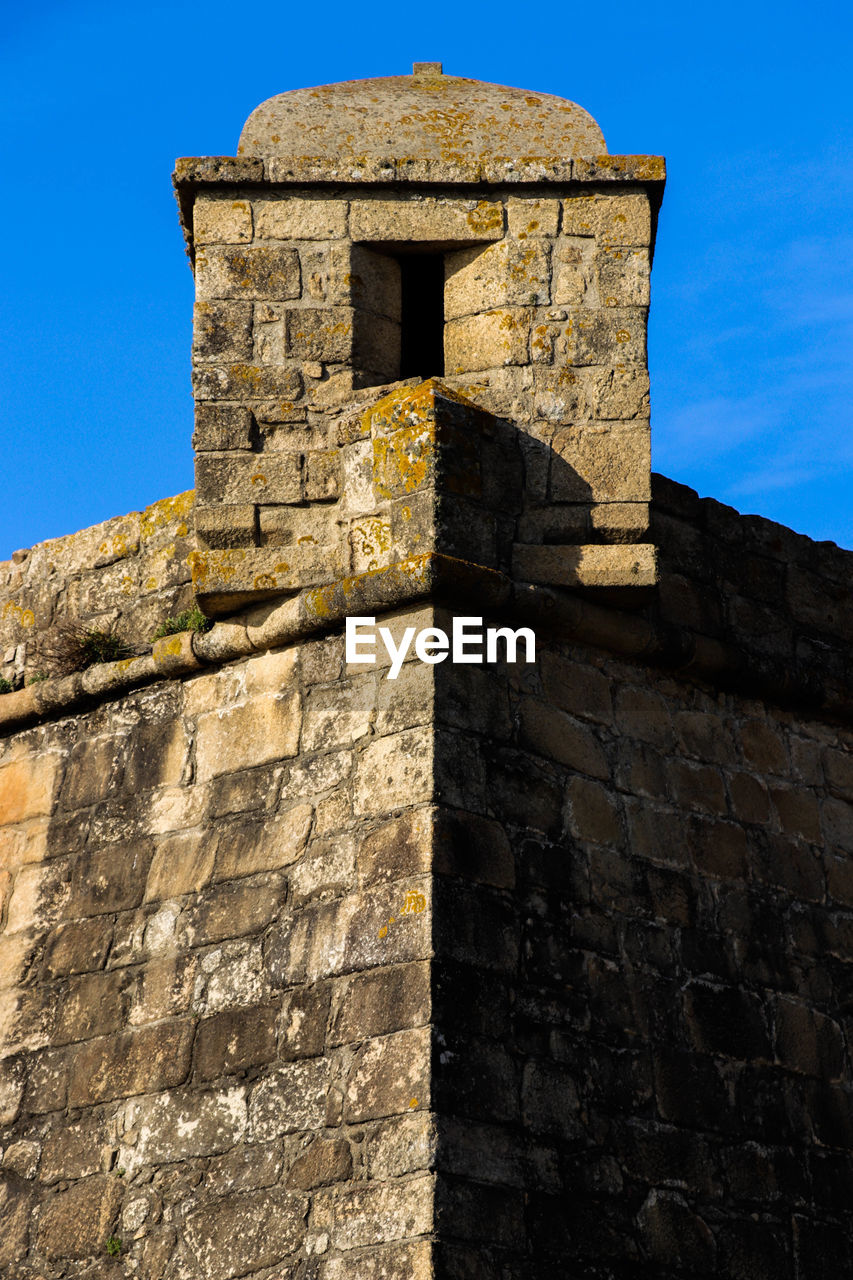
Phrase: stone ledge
(617, 565)
(318, 610)
(193, 172)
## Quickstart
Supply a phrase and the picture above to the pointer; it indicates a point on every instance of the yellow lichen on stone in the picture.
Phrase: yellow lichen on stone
(402, 461)
(23, 617)
(160, 514)
(318, 602)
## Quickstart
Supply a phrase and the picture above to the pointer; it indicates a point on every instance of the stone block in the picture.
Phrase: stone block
(595, 813)
(673, 1236)
(75, 1151)
(246, 478)
(697, 786)
(394, 772)
(798, 812)
(37, 893)
(590, 566)
(164, 987)
(302, 1025)
(614, 219)
(574, 275)
(614, 335)
(530, 219)
(605, 463)
(179, 1126)
(623, 277)
(289, 1100)
(376, 1213)
(143, 1061)
(222, 426)
(620, 522)
(474, 849)
(234, 1040)
(78, 947)
(300, 218)
(620, 393)
(402, 1145)
(582, 690)
(326, 869)
(264, 382)
(221, 527)
(506, 274)
(427, 219)
(380, 1002)
(549, 732)
(326, 1161)
(487, 341)
(111, 878)
(390, 1075)
(263, 729)
(182, 863)
(322, 475)
(27, 787)
(76, 1223)
(725, 1020)
(221, 221)
(320, 333)
(235, 909)
(561, 395)
(222, 332)
(807, 1041)
(396, 849)
(94, 769)
(248, 847)
(92, 1006)
(412, 1261)
(256, 272)
(234, 1234)
(391, 925)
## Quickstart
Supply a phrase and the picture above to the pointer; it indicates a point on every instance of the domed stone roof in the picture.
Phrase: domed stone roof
(427, 116)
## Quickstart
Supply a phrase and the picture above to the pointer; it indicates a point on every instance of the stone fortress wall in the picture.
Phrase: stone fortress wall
(488, 972)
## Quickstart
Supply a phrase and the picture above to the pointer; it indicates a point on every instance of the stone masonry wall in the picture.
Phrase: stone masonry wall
(298, 303)
(215, 978)
(485, 972)
(643, 913)
(130, 572)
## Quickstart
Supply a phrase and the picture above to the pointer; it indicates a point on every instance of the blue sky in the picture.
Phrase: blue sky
(752, 288)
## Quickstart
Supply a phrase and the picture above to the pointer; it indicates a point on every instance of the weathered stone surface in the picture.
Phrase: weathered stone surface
(292, 1098)
(237, 1233)
(375, 1214)
(269, 845)
(180, 1126)
(110, 878)
(232, 1041)
(326, 1161)
(257, 271)
(389, 1076)
(298, 218)
(76, 1223)
(385, 1000)
(488, 340)
(140, 1061)
(222, 221)
(426, 219)
(263, 729)
(589, 566)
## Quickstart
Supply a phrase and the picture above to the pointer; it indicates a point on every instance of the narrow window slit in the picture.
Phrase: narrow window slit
(422, 315)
